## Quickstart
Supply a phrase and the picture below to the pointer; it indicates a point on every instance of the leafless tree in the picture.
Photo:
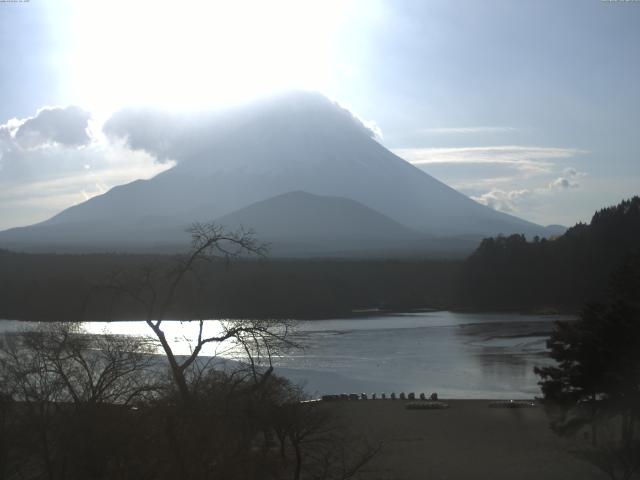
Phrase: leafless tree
(223, 421)
(64, 385)
(155, 290)
(60, 363)
(322, 447)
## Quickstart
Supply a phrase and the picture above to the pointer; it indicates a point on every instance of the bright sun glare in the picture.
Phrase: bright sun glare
(196, 54)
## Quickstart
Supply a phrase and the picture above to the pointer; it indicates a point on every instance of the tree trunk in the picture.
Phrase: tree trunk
(594, 427)
(176, 371)
(296, 447)
(282, 439)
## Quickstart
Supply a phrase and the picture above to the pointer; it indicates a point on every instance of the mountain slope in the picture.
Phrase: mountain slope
(296, 223)
(298, 142)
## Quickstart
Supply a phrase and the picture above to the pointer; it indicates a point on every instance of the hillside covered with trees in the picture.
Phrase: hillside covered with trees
(514, 274)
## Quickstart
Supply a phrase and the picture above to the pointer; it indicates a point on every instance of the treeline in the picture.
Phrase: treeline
(512, 273)
(48, 287)
(504, 273)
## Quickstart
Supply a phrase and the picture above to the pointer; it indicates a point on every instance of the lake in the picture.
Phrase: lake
(457, 355)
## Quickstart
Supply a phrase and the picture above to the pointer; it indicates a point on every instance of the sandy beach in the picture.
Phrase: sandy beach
(467, 440)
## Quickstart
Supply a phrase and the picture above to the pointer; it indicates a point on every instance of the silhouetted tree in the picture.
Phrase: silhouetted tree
(70, 394)
(6, 408)
(155, 289)
(596, 384)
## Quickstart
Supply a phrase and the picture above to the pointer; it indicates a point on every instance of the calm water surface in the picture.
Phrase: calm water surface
(458, 355)
(461, 355)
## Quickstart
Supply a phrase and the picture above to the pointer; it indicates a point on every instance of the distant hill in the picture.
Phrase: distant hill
(300, 142)
(510, 272)
(302, 224)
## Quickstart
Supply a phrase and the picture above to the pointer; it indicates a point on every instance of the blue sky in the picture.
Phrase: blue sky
(531, 107)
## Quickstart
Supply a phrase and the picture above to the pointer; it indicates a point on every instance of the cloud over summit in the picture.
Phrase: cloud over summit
(192, 136)
(154, 131)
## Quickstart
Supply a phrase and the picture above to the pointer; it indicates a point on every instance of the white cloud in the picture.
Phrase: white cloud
(51, 166)
(509, 178)
(567, 180)
(180, 137)
(511, 201)
(151, 130)
(372, 126)
(562, 183)
(505, 201)
(524, 158)
(64, 126)
(484, 183)
(465, 130)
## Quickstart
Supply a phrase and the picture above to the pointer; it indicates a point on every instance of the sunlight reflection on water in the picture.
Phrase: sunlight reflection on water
(464, 355)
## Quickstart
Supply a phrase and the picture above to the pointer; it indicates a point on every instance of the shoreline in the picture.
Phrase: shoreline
(350, 315)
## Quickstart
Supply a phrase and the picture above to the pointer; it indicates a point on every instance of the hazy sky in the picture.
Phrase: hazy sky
(530, 107)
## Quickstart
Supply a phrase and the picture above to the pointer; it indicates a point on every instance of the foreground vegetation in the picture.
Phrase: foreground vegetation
(593, 389)
(75, 406)
(78, 406)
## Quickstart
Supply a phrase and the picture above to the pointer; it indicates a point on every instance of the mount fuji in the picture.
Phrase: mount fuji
(301, 171)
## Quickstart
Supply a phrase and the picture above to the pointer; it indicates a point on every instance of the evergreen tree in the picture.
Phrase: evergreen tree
(595, 383)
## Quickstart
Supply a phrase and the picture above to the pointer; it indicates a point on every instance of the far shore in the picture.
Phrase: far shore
(362, 313)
